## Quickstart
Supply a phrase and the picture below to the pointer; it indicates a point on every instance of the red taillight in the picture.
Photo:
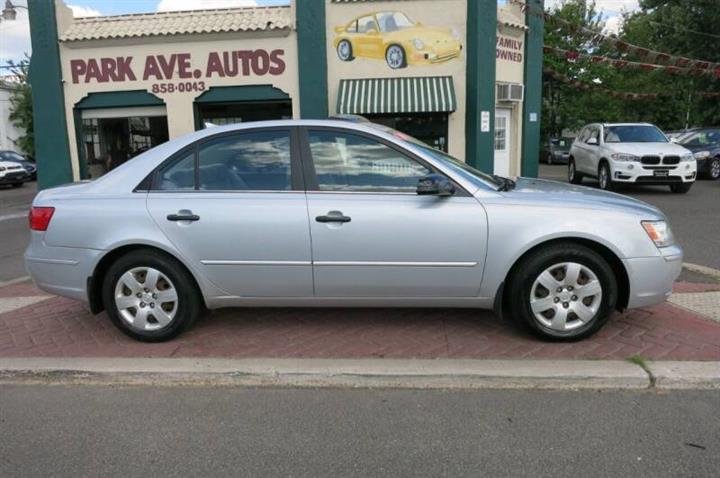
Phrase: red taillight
(40, 218)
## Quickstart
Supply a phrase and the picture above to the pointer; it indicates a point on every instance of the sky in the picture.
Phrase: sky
(15, 35)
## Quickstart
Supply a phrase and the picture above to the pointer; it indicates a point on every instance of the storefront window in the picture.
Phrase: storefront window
(217, 114)
(430, 128)
(109, 142)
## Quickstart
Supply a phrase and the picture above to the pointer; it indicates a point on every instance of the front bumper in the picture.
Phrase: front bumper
(435, 56)
(652, 278)
(636, 172)
(14, 178)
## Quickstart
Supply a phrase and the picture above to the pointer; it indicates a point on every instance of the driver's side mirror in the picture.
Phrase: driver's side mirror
(673, 140)
(435, 185)
(592, 141)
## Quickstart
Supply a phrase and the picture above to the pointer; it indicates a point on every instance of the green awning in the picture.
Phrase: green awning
(430, 94)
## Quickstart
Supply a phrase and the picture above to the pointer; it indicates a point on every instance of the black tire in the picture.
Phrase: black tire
(681, 188)
(17, 185)
(573, 176)
(605, 177)
(189, 303)
(524, 275)
(395, 65)
(713, 169)
(349, 56)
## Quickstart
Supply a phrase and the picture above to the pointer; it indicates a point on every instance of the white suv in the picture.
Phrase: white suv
(635, 153)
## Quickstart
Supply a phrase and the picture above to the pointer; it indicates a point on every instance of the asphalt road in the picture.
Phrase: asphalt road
(695, 216)
(695, 219)
(14, 232)
(193, 431)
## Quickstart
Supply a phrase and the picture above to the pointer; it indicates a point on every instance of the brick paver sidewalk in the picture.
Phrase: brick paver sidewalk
(57, 327)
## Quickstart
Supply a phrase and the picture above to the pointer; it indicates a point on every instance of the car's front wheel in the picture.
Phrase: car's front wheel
(680, 188)
(17, 185)
(605, 177)
(344, 50)
(395, 57)
(713, 169)
(562, 292)
(573, 176)
(150, 296)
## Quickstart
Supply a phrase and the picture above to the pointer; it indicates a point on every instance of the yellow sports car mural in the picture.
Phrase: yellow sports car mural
(397, 39)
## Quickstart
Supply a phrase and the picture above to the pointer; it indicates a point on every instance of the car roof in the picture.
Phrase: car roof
(628, 124)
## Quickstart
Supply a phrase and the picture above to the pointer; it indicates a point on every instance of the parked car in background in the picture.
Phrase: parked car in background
(704, 143)
(13, 174)
(14, 157)
(335, 213)
(630, 153)
(557, 150)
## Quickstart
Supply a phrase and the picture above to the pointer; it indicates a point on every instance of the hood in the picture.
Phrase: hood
(425, 33)
(642, 149)
(701, 147)
(546, 192)
(10, 164)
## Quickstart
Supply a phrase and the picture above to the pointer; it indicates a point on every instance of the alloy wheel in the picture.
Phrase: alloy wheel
(603, 177)
(344, 50)
(715, 168)
(565, 296)
(146, 299)
(395, 57)
(571, 171)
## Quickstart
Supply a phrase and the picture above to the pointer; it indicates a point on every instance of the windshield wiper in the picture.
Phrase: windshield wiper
(507, 184)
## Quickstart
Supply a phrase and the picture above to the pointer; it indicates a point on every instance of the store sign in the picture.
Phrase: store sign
(509, 49)
(178, 67)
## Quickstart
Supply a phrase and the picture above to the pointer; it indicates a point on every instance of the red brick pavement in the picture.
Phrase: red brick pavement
(59, 327)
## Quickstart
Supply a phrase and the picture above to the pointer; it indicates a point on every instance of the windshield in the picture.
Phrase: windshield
(701, 138)
(393, 21)
(11, 156)
(634, 134)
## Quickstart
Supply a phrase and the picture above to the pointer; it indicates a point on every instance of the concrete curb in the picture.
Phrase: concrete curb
(708, 271)
(17, 280)
(685, 375)
(366, 373)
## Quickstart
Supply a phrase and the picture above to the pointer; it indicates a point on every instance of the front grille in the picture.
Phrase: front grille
(650, 160)
(671, 159)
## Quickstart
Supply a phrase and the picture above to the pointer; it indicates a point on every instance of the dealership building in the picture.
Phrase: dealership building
(461, 75)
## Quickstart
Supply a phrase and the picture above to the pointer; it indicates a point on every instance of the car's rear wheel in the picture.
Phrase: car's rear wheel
(149, 296)
(17, 185)
(680, 188)
(395, 57)
(562, 292)
(713, 169)
(605, 177)
(344, 50)
(573, 176)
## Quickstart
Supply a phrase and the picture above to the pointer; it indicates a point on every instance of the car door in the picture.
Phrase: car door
(369, 39)
(234, 206)
(373, 236)
(594, 150)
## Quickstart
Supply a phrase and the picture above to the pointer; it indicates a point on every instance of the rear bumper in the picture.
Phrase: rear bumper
(652, 278)
(61, 271)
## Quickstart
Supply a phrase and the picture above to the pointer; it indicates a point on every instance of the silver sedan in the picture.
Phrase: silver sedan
(331, 213)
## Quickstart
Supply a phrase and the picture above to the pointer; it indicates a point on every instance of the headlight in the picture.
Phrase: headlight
(624, 157)
(455, 33)
(659, 232)
(702, 154)
(687, 157)
(418, 43)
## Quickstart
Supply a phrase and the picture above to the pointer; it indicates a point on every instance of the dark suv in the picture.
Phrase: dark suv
(705, 146)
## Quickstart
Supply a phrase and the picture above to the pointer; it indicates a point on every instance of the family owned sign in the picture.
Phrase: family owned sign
(177, 66)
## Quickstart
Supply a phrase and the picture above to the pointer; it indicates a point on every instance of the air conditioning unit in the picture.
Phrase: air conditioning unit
(509, 92)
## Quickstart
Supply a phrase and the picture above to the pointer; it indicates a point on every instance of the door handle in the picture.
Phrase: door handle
(333, 218)
(183, 217)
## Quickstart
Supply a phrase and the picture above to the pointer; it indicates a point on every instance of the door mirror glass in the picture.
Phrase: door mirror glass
(435, 185)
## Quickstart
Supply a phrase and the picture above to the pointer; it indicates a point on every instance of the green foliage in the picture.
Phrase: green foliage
(677, 27)
(21, 112)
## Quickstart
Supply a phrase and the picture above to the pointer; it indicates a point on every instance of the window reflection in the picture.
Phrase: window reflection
(346, 162)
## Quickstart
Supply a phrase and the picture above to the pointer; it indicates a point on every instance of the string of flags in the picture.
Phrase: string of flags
(574, 56)
(585, 86)
(646, 54)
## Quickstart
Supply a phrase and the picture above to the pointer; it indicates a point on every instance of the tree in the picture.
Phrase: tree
(21, 112)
